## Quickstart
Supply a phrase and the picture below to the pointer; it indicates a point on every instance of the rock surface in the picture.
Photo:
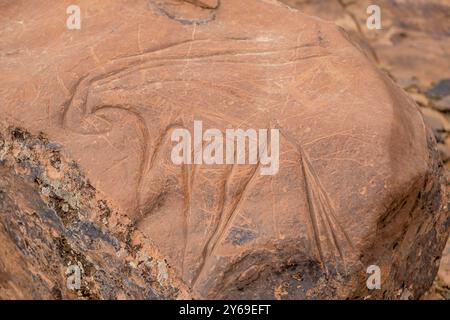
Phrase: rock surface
(360, 180)
(411, 47)
(413, 44)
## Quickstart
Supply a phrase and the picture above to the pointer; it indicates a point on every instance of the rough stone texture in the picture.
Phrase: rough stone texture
(52, 218)
(413, 47)
(413, 44)
(360, 179)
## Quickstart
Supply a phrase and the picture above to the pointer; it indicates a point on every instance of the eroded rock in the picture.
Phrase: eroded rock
(359, 181)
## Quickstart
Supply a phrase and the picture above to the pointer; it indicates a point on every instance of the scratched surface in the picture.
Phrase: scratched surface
(351, 143)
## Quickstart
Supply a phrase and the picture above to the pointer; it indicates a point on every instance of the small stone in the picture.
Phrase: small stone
(435, 120)
(65, 207)
(443, 104)
(440, 90)
(444, 269)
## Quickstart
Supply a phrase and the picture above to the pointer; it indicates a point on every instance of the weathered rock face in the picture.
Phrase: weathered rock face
(53, 220)
(359, 180)
(413, 44)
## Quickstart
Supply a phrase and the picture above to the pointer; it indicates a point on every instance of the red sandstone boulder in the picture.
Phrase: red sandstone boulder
(358, 182)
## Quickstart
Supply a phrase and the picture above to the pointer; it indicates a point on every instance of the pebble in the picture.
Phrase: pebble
(408, 84)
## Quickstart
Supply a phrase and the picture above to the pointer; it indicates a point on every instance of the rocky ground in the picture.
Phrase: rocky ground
(413, 47)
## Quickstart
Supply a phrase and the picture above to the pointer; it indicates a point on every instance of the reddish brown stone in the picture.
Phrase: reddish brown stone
(359, 183)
